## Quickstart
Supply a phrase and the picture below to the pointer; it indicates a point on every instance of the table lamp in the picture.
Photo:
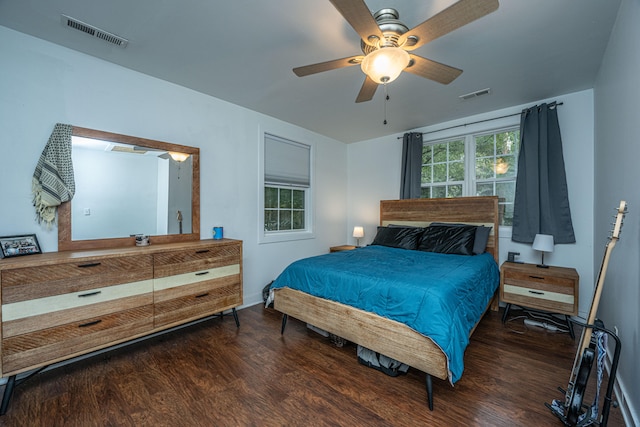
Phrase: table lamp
(543, 243)
(358, 233)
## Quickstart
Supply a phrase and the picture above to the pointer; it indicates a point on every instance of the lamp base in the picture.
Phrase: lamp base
(543, 265)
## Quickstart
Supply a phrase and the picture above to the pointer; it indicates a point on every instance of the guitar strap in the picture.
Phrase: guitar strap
(591, 414)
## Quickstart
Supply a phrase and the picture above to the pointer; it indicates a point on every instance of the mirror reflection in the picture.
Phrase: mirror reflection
(124, 190)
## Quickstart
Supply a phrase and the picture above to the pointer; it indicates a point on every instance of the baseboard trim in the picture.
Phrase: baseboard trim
(629, 413)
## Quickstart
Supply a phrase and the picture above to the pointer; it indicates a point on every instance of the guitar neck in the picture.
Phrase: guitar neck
(593, 311)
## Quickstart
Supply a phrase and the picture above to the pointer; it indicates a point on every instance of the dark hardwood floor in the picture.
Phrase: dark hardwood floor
(213, 374)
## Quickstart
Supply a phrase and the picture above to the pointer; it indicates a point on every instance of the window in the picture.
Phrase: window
(443, 169)
(287, 190)
(283, 209)
(481, 164)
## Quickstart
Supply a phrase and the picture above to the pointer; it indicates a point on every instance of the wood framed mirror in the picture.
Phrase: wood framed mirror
(127, 185)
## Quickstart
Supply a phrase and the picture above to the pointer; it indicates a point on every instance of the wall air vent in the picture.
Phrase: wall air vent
(475, 94)
(76, 24)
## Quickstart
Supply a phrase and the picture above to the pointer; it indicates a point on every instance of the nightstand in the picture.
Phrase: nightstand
(553, 289)
(342, 248)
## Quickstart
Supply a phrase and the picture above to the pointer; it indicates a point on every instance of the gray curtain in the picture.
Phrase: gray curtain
(541, 200)
(411, 165)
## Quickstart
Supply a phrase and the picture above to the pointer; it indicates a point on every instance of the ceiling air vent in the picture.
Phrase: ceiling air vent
(76, 24)
(475, 94)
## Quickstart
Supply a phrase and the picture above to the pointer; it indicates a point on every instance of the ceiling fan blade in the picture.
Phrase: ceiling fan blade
(367, 90)
(432, 70)
(358, 15)
(328, 65)
(455, 16)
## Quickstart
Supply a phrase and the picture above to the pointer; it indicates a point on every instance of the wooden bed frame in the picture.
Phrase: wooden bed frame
(383, 335)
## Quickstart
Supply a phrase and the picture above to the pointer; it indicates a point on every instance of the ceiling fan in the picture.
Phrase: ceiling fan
(386, 43)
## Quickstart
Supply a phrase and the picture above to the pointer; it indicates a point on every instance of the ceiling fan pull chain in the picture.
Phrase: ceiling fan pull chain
(386, 99)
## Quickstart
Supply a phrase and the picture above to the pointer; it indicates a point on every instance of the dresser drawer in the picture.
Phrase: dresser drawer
(21, 284)
(32, 315)
(197, 259)
(540, 280)
(46, 346)
(539, 298)
(197, 298)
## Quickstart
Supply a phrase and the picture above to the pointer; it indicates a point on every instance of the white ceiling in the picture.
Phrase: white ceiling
(243, 51)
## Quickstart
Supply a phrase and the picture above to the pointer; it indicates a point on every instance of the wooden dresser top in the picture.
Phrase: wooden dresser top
(49, 258)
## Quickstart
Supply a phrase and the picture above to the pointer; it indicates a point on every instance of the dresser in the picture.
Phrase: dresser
(56, 306)
(551, 289)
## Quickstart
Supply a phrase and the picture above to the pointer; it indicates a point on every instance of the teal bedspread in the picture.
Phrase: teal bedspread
(440, 296)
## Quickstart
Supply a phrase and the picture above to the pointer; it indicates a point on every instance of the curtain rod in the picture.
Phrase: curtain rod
(551, 104)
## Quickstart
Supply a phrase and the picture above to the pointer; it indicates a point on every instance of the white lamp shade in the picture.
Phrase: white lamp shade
(358, 232)
(543, 243)
(385, 64)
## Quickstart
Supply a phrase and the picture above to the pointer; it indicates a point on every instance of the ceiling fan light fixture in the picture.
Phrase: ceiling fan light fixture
(385, 64)
(178, 157)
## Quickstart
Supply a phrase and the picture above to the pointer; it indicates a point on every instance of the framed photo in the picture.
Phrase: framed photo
(26, 244)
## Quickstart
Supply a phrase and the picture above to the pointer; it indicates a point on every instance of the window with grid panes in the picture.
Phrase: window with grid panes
(287, 181)
(443, 169)
(496, 168)
(480, 164)
(284, 208)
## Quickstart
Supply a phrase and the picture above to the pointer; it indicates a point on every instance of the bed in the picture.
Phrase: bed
(304, 297)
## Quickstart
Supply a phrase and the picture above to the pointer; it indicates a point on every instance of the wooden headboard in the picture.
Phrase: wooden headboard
(422, 212)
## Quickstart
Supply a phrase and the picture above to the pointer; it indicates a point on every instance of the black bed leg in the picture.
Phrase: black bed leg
(284, 323)
(430, 392)
(8, 392)
(235, 317)
(506, 313)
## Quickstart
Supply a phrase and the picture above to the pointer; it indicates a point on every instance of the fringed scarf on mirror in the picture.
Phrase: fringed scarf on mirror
(53, 181)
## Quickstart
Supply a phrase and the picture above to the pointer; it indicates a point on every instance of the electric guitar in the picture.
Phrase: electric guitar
(585, 354)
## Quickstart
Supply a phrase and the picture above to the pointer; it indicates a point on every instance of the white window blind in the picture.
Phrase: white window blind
(286, 162)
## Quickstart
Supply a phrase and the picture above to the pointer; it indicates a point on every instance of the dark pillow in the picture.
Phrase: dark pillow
(398, 237)
(446, 239)
(481, 237)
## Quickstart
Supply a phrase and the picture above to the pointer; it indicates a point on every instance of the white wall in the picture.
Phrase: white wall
(617, 177)
(43, 84)
(102, 177)
(374, 175)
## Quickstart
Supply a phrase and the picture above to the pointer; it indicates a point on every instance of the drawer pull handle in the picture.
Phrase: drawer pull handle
(93, 264)
(90, 294)
(95, 322)
(202, 295)
(536, 292)
(537, 277)
(202, 273)
(202, 251)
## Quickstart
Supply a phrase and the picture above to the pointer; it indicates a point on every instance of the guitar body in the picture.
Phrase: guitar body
(575, 404)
